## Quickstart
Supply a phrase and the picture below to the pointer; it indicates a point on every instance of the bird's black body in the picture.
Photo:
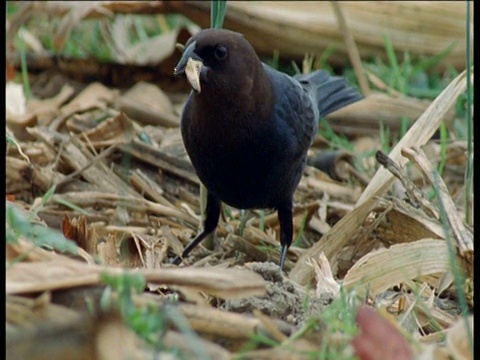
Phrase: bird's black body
(248, 130)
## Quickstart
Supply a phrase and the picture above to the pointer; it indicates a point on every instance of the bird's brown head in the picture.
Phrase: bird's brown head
(219, 61)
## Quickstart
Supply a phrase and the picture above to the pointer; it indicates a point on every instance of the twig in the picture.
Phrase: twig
(71, 176)
(94, 198)
(352, 49)
(12, 139)
(416, 196)
(270, 326)
(162, 160)
(462, 234)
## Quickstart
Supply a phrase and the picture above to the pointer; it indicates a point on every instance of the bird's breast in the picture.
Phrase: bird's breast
(244, 167)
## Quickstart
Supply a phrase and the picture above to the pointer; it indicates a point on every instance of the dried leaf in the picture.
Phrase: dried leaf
(94, 96)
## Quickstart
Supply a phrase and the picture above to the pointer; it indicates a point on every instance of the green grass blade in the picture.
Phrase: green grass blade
(19, 226)
(217, 13)
(458, 278)
(48, 195)
(397, 81)
(469, 169)
(301, 230)
(443, 148)
(432, 61)
(61, 201)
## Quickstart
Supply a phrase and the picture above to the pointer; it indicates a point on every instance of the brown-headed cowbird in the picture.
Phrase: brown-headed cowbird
(247, 127)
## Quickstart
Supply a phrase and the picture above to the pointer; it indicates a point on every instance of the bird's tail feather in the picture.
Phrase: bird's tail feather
(332, 92)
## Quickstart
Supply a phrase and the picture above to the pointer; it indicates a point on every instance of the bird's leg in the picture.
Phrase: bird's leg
(209, 225)
(285, 218)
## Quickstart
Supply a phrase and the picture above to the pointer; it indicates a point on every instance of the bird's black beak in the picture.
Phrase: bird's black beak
(191, 65)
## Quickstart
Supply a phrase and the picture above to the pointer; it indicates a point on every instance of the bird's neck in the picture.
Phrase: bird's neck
(253, 102)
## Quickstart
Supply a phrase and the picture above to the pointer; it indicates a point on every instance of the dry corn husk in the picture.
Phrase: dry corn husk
(295, 28)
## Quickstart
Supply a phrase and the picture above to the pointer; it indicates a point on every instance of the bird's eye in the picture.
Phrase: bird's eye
(221, 52)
